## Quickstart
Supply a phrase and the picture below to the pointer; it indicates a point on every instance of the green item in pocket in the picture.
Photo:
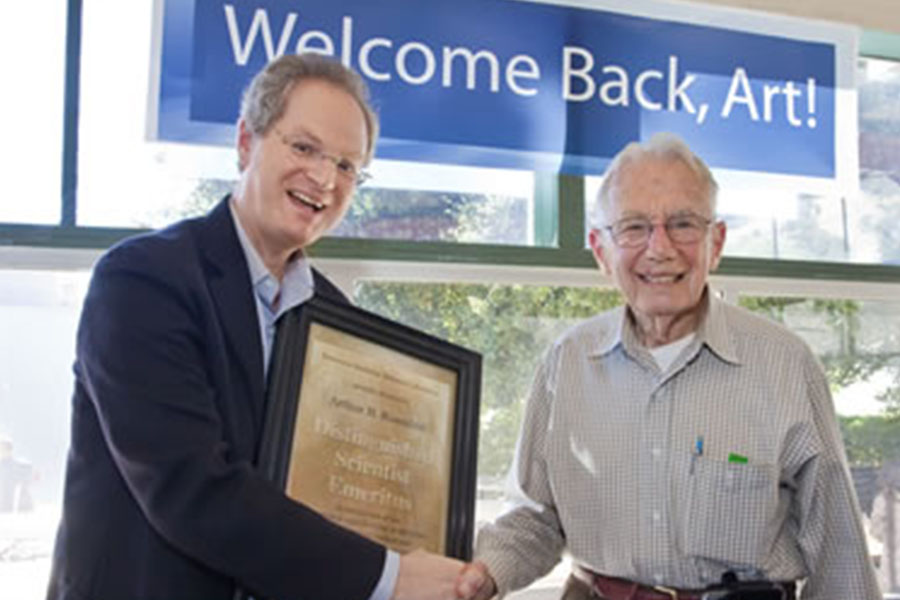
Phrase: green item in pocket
(737, 458)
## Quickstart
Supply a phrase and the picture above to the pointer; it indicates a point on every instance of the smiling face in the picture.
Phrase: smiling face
(286, 202)
(662, 281)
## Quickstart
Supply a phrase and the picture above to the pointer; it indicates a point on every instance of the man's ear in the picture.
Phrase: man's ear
(719, 231)
(243, 143)
(595, 239)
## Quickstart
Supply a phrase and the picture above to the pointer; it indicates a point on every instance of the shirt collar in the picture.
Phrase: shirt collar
(712, 331)
(612, 336)
(297, 284)
(258, 270)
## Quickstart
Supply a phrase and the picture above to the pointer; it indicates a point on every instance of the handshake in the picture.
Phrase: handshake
(426, 576)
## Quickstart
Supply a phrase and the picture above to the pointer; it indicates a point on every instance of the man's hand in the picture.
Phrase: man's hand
(475, 583)
(426, 576)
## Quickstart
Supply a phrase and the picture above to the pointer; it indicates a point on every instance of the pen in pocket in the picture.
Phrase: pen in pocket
(696, 451)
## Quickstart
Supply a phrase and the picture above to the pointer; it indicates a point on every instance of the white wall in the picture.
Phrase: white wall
(881, 15)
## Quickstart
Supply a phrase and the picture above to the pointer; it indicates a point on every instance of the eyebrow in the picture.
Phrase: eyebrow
(629, 215)
(305, 133)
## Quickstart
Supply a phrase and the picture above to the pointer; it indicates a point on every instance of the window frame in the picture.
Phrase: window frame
(558, 207)
(559, 258)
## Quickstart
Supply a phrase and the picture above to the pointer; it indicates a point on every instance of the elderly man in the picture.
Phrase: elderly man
(677, 446)
(162, 498)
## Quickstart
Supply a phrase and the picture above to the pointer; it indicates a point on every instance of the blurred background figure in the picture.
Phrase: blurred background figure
(16, 477)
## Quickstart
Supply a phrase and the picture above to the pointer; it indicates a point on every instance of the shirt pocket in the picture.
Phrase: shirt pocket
(730, 509)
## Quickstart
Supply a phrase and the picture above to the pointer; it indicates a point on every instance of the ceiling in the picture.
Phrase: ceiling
(879, 15)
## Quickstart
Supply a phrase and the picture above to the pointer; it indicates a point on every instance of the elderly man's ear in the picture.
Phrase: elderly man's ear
(719, 231)
(595, 239)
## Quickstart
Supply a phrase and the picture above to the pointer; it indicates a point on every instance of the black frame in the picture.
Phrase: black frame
(286, 376)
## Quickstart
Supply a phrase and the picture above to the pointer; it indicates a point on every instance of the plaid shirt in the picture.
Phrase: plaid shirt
(610, 467)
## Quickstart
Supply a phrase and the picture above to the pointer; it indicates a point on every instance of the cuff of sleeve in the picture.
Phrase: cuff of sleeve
(385, 588)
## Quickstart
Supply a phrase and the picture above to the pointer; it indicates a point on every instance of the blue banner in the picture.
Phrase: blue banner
(515, 84)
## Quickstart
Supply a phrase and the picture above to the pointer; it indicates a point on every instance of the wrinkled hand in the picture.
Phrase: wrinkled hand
(426, 576)
(475, 583)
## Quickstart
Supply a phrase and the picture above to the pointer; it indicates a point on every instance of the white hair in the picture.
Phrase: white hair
(663, 145)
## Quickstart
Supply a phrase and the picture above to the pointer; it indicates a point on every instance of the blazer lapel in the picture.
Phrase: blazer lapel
(229, 284)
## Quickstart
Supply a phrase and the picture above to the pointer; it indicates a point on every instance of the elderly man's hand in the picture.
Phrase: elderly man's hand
(475, 583)
(426, 576)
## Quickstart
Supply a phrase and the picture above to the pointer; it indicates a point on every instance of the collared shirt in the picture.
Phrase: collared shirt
(729, 459)
(273, 299)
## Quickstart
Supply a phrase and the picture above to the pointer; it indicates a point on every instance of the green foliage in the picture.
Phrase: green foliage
(770, 306)
(382, 213)
(510, 325)
(203, 197)
(891, 399)
(844, 366)
(434, 216)
(871, 441)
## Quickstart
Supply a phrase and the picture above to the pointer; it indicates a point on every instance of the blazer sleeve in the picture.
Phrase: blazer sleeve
(146, 348)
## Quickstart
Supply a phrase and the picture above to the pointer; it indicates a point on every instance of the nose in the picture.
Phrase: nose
(323, 172)
(659, 243)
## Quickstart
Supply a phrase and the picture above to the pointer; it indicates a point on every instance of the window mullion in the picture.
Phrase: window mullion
(69, 186)
(571, 212)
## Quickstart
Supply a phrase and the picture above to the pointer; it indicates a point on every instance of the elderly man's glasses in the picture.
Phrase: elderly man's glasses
(308, 152)
(634, 232)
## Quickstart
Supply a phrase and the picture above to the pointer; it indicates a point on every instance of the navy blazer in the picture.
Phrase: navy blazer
(162, 500)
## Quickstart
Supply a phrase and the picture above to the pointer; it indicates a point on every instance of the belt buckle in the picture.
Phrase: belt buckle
(673, 594)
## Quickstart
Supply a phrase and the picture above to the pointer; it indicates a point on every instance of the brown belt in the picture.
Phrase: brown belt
(613, 588)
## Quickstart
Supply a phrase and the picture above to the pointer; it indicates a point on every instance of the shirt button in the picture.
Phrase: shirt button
(656, 452)
(658, 578)
(656, 515)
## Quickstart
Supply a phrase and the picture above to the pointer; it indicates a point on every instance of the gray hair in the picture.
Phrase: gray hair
(663, 145)
(264, 99)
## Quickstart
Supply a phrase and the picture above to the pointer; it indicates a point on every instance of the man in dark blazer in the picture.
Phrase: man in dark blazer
(162, 500)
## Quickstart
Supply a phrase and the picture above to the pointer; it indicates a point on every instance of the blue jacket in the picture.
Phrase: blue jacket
(162, 500)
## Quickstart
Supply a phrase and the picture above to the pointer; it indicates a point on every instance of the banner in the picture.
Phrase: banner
(530, 85)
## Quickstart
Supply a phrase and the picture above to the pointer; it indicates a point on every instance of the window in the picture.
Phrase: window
(879, 157)
(511, 326)
(32, 58)
(425, 202)
(38, 316)
(768, 217)
(126, 180)
(510, 313)
(858, 343)
(789, 218)
(123, 179)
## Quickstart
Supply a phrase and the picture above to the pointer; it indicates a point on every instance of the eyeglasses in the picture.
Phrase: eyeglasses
(309, 152)
(681, 229)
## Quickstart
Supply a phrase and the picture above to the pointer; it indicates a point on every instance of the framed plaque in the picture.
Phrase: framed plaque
(375, 426)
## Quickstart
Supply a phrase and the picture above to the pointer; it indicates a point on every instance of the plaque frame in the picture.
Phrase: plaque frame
(286, 380)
